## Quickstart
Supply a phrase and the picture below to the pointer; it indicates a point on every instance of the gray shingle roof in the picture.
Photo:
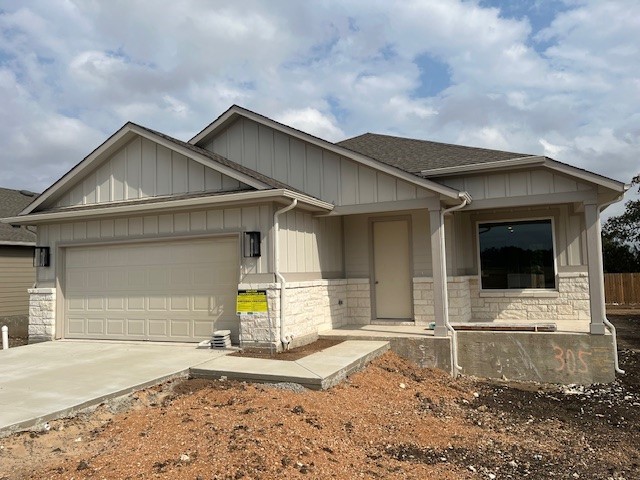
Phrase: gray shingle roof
(414, 156)
(13, 202)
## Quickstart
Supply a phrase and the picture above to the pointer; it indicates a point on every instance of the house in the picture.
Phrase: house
(152, 238)
(17, 273)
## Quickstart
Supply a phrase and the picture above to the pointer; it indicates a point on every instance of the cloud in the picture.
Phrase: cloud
(560, 79)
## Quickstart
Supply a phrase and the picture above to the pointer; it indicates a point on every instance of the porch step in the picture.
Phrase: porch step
(318, 371)
(391, 322)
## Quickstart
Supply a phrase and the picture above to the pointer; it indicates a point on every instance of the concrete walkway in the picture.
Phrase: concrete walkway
(50, 380)
(317, 371)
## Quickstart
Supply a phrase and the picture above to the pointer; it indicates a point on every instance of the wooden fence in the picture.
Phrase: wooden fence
(622, 288)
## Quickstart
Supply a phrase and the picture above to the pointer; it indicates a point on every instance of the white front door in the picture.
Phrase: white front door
(392, 274)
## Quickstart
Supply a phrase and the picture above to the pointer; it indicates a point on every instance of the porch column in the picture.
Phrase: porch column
(596, 275)
(437, 259)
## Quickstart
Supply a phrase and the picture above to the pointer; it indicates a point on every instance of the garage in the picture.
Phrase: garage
(179, 291)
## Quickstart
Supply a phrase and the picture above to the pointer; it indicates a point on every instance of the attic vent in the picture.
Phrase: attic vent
(28, 193)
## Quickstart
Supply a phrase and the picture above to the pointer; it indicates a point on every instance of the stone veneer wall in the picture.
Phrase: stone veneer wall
(358, 301)
(570, 302)
(42, 314)
(312, 307)
(459, 300)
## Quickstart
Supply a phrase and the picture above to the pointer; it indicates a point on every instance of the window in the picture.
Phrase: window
(516, 255)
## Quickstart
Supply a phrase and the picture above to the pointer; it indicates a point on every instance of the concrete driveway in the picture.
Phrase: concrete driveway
(49, 380)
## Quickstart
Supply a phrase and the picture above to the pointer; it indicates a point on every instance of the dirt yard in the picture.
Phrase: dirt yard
(392, 420)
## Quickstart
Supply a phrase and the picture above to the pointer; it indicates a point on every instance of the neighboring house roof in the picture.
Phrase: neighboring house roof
(11, 203)
(415, 156)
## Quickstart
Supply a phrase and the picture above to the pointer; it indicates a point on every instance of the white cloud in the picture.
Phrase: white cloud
(71, 73)
(311, 121)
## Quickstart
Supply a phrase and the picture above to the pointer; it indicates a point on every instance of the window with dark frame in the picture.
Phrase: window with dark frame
(516, 255)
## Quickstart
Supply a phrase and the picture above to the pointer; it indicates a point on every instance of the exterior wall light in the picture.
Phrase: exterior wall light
(251, 244)
(41, 257)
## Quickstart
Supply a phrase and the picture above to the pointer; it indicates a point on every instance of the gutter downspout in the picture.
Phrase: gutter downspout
(466, 200)
(285, 339)
(605, 320)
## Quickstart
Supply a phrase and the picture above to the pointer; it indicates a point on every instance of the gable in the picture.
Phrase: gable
(309, 168)
(516, 183)
(142, 169)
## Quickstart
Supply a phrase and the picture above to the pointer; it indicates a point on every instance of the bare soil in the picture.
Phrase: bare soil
(288, 355)
(393, 420)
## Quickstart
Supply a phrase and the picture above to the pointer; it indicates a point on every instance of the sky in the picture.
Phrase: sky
(559, 78)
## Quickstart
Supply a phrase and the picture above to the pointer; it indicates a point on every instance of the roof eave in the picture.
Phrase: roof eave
(304, 201)
(531, 161)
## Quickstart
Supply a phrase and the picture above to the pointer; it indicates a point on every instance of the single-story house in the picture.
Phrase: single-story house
(151, 238)
(17, 273)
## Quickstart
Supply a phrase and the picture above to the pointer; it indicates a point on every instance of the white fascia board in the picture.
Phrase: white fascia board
(532, 161)
(17, 244)
(207, 162)
(521, 161)
(77, 213)
(318, 142)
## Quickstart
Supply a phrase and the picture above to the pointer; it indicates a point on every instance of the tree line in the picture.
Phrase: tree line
(621, 238)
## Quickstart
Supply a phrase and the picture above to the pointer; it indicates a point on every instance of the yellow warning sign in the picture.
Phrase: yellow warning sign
(251, 301)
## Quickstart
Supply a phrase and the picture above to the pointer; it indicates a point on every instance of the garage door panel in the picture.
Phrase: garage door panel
(135, 303)
(157, 303)
(181, 291)
(158, 327)
(180, 328)
(116, 326)
(136, 327)
(95, 326)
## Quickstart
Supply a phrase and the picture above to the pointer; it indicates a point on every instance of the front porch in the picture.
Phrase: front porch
(569, 355)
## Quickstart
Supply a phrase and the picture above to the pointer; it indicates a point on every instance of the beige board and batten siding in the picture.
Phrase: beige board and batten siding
(143, 169)
(150, 227)
(357, 233)
(17, 274)
(310, 247)
(311, 169)
(520, 183)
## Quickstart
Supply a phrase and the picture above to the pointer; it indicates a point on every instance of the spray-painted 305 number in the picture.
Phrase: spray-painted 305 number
(568, 361)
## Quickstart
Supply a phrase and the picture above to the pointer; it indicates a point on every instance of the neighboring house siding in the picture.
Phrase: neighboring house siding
(213, 221)
(17, 274)
(313, 170)
(144, 169)
(514, 184)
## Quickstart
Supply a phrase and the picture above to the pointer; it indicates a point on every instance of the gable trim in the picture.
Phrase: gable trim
(235, 110)
(120, 138)
(532, 161)
(91, 211)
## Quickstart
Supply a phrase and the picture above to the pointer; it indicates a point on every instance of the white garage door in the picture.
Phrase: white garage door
(171, 291)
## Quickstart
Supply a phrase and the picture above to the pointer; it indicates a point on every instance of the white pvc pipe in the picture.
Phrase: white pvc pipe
(455, 367)
(285, 339)
(5, 337)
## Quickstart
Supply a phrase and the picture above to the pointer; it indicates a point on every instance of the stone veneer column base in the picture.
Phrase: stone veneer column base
(311, 307)
(42, 314)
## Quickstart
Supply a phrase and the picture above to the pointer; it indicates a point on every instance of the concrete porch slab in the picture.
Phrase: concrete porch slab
(318, 371)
